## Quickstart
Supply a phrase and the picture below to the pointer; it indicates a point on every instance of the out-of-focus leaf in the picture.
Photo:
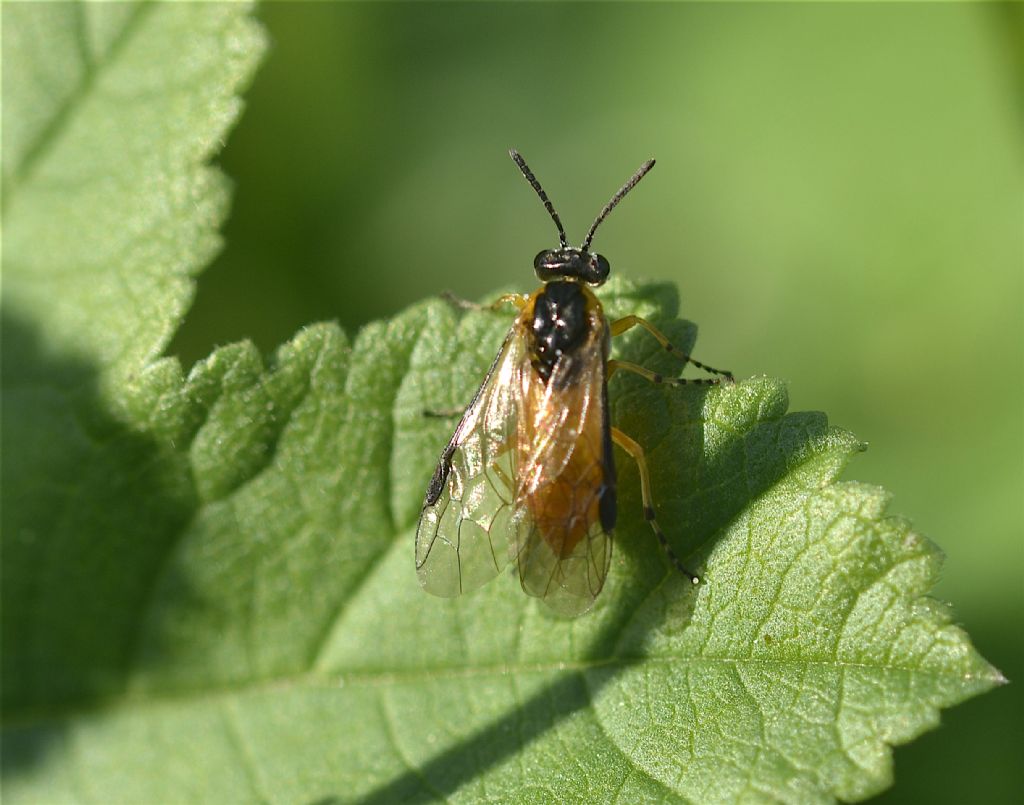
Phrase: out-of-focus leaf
(111, 113)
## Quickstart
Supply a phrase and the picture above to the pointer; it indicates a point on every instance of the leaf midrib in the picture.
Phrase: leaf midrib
(314, 675)
(383, 678)
(51, 132)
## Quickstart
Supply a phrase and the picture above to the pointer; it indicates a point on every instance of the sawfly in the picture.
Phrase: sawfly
(529, 474)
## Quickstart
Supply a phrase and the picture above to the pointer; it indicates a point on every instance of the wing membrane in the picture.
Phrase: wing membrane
(565, 494)
(468, 519)
(568, 585)
(528, 473)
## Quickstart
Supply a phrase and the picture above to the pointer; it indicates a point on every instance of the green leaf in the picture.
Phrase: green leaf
(282, 648)
(111, 112)
(208, 584)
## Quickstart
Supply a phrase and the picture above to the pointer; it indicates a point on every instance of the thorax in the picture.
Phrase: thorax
(559, 319)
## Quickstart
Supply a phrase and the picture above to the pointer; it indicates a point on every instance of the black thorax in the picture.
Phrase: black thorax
(559, 324)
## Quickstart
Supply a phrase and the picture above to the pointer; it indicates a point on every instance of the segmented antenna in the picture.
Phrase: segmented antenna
(615, 200)
(544, 196)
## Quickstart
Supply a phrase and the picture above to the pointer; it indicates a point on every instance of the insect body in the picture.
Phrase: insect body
(529, 473)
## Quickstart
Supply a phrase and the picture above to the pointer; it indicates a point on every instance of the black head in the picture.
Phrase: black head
(570, 263)
(566, 262)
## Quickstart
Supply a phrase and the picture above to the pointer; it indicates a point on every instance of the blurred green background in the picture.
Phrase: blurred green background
(839, 197)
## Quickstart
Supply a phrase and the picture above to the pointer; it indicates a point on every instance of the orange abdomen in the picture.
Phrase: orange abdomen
(561, 493)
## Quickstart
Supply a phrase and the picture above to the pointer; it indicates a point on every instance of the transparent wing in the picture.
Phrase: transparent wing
(466, 526)
(568, 585)
(565, 496)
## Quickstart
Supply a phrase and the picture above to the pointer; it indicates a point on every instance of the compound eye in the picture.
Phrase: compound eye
(545, 262)
(600, 268)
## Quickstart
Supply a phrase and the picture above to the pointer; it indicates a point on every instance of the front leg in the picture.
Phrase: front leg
(519, 300)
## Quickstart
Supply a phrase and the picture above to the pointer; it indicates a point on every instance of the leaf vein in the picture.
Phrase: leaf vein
(242, 748)
(50, 133)
(391, 734)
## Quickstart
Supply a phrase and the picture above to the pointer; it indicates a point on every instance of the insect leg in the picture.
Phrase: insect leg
(443, 413)
(655, 377)
(619, 326)
(517, 299)
(636, 452)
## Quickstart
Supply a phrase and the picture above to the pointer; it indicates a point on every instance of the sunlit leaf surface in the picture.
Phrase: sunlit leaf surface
(208, 579)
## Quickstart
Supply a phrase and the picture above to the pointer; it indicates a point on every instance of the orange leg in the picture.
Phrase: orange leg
(636, 452)
(619, 326)
(518, 299)
(613, 365)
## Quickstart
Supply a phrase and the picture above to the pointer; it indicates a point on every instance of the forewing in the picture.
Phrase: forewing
(563, 546)
(467, 522)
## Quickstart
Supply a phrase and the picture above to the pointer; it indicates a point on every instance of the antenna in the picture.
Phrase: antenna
(615, 200)
(544, 196)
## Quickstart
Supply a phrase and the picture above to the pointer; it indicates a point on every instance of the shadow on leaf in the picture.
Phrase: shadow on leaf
(91, 509)
(718, 482)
